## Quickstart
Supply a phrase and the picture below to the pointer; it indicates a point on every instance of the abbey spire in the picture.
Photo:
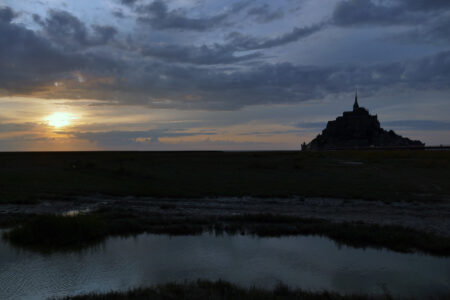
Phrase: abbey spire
(355, 105)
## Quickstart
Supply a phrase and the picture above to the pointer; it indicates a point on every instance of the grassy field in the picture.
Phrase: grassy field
(380, 175)
(49, 233)
(202, 290)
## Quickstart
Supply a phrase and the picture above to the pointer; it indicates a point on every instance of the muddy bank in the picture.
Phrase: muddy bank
(428, 217)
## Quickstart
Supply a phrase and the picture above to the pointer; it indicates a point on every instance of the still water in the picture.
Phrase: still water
(312, 263)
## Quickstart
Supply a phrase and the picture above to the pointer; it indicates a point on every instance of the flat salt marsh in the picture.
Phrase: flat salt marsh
(372, 175)
(310, 263)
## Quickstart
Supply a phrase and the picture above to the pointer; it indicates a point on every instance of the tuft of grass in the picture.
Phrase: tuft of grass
(202, 290)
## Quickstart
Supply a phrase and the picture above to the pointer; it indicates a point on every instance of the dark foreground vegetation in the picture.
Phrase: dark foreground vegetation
(47, 233)
(202, 290)
(51, 232)
(380, 175)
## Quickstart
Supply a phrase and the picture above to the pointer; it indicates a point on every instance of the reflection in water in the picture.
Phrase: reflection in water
(304, 262)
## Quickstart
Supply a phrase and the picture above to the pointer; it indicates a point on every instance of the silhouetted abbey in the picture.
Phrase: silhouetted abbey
(357, 129)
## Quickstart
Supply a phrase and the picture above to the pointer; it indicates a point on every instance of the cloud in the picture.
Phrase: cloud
(418, 125)
(350, 13)
(157, 140)
(190, 87)
(430, 19)
(31, 64)
(128, 2)
(246, 42)
(26, 59)
(118, 13)
(68, 31)
(265, 14)
(274, 132)
(226, 53)
(16, 127)
(424, 5)
(7, 14)
(130, 79)
(311, 125)
(203, 55)
(158, 16)
(369, 12)
(434, 31)
(121, 138)
(174, 76)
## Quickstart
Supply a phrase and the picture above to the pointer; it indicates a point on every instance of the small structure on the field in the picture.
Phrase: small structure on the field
(355, 130)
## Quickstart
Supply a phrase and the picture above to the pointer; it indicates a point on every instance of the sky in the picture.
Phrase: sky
(217, 74)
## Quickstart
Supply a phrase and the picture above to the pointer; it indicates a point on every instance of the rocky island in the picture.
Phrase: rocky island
(358, 129)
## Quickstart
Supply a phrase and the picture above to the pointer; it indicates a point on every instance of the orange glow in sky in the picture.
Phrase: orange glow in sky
(60, 119)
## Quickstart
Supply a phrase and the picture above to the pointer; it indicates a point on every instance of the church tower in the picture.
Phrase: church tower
(355, 105)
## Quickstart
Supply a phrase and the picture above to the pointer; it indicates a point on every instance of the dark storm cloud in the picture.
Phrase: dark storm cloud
(128, 2)
(424, 5)
(68, 31)
(103, 33)
(265, 14)
(396, 12)
(6, 14)
(244, 42)
(348, 13)
(118, 13)
(204, 55)
(284, 83)
(435, 31)
(430, 18)
(39, 66)
(190, 87)
(24, 56)
(30, 63)
(167, 85)
(158, 15)
(226, 53)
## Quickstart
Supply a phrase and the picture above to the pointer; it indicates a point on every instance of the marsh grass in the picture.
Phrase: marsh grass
(355, 234)
(47, 233)
(202, 290)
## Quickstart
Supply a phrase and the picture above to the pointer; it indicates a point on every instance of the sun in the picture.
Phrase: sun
(59, 119)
